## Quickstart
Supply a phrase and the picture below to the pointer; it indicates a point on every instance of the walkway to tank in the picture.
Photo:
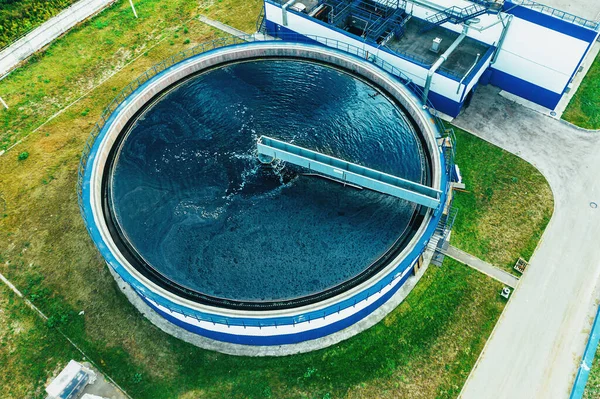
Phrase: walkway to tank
(472, 261)
(536, 347)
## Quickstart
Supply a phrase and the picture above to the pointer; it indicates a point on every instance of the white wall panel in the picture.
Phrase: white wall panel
(540, 55)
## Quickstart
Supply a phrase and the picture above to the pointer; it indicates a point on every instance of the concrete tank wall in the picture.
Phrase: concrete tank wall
(274, 327)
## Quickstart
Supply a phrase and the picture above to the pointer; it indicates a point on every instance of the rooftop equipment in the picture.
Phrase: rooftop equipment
(435, 46)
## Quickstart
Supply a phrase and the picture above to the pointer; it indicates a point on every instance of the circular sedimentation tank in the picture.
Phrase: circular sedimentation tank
(251, 258)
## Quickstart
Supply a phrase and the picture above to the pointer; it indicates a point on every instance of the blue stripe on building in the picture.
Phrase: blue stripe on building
(524, 89)
(550, 22)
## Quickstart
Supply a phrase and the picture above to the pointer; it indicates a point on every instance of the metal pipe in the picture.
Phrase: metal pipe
(487, 27)
(440, 61)
(284, 11)
(468, 72)
(438, 8)
(501, 41)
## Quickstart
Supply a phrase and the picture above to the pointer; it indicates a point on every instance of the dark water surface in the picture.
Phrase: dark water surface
(194, 201)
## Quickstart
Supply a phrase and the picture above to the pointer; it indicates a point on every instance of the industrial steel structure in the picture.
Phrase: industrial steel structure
(449, 47)
(270, 149)
(272, 329)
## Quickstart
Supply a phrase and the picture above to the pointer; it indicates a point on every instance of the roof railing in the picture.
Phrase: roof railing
(574, 19)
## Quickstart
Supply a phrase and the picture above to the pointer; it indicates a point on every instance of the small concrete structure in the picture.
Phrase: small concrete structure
(71, 381)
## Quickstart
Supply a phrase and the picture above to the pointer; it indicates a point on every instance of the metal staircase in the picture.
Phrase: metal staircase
(457, 15)
(383, 30)
(438, 242)
(260, 22)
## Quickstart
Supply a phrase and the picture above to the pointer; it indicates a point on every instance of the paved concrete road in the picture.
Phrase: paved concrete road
(48, 31)
(536, 347)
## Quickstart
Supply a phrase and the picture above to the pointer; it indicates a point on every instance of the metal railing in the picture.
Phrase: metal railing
(574, 19)
(260, 21)
(228, 41)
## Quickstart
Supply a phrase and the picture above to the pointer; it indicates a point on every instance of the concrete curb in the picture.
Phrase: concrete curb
(581, 129)
(55, 27)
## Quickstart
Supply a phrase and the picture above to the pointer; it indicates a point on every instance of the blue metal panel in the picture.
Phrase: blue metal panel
(587, 360)
(522, 88)
(349, 172)
(283, 339)
(444, 104)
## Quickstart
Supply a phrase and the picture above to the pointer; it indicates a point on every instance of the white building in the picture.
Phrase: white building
(449, 47)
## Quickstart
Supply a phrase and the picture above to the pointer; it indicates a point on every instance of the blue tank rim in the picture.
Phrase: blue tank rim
(137, 261)
(147, 293)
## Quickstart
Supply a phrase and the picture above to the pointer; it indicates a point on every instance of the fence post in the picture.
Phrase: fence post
(133, 8)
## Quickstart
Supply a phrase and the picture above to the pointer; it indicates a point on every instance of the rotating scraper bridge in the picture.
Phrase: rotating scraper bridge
(302, 325)
(270, 149)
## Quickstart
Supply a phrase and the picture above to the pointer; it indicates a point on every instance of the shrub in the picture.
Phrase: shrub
(23, 156)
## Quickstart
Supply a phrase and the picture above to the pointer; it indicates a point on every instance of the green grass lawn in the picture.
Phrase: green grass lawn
(29, 349)
(506, 206)
(592, 389)
(18, 17)
(584, 108)
(424, 349)
(94, 51)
